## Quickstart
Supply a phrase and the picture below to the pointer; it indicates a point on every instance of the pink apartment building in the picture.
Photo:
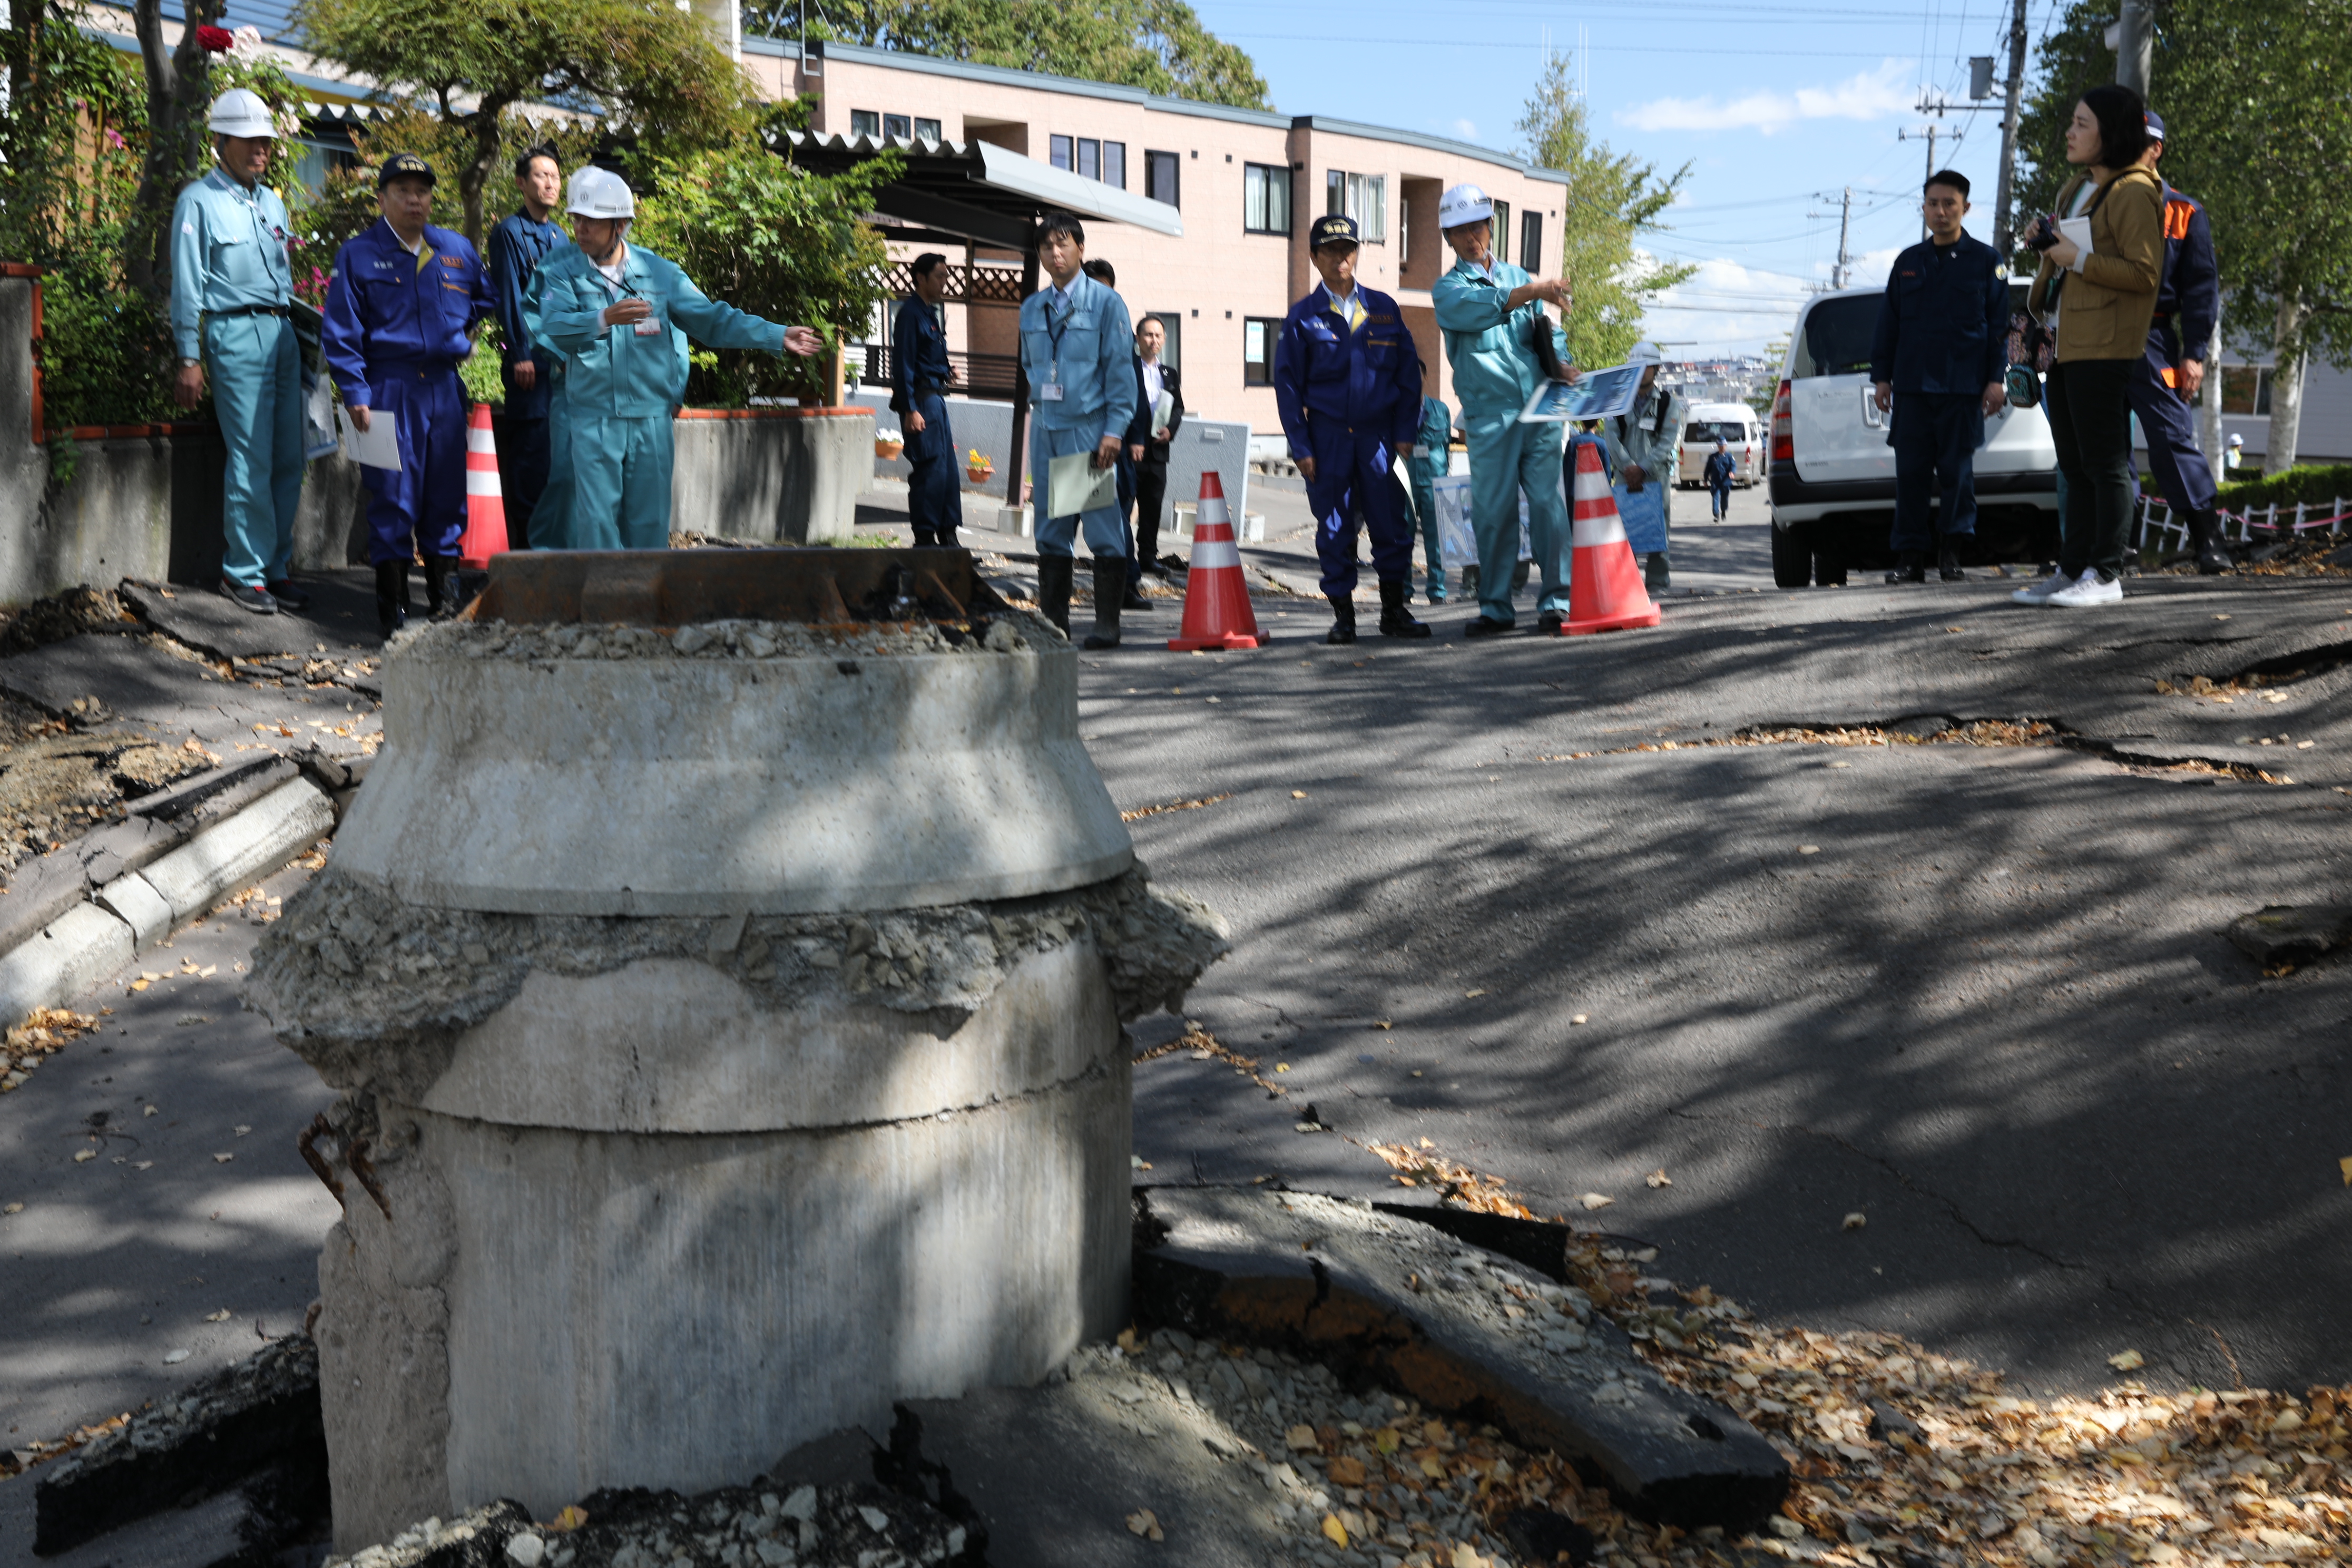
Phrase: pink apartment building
(1245, 183)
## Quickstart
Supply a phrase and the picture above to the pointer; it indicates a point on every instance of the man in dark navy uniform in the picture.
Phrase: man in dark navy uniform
(1938, 360)
(399, 315)
(1347, 382)
(2164, 388)
(517, 244)
(919, 377)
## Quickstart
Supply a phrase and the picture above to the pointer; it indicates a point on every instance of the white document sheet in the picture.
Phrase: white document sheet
(378, 446)
(1075, 485)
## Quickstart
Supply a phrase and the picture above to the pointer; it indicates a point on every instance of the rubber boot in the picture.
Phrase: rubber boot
(390, 596)
(2205, 539)
(1343, 620)
(947, 536)
(1110, 588)
(1948, 565)
(442, 596)
(1396, 620)
(1910, 566)
(1055, 574)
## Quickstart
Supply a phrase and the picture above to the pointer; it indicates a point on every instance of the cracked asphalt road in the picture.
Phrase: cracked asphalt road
(1992, 1009)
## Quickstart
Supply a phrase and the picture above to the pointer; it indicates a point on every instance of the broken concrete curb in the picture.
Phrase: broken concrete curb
(262, 838)
(2292, 933)
(72, 953)
(1463, 1334)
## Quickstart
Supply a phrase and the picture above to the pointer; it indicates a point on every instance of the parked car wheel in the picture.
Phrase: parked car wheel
(1792, 559)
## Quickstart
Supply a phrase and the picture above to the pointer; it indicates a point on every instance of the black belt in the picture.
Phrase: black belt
(250, 311)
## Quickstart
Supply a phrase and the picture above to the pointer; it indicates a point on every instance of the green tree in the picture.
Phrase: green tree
(2258, 128)
(655, 67)
(1612, 199)
(1160, 46)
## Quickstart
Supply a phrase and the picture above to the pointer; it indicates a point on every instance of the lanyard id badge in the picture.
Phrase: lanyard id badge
(1050, 389)
(651, 327)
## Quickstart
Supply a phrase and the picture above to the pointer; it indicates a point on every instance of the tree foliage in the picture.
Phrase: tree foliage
(1160, 46)
(1612, 199)
(654, 68)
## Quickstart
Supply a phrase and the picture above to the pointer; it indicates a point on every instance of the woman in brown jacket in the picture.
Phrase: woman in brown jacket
(2100, 298)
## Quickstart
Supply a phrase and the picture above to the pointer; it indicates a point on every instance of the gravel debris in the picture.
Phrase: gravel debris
(1007, 631)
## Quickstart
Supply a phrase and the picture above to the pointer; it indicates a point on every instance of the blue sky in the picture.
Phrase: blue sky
(1776, 109)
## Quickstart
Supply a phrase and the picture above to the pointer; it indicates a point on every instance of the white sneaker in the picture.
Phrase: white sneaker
(2091, 589)
(2039, 593)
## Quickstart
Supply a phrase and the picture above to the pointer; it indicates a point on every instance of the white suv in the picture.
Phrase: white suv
(1833, 473)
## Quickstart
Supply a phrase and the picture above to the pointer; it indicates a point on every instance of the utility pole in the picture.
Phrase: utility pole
(1909, 136)
(2134, 45)
(1845, 221)
(2005, 190)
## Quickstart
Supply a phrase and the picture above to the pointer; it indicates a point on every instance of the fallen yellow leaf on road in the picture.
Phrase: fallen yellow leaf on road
(2129, 1361)
(1658, 1178)
(1856, 1220)
(1334, 1532)
(1481, 992)
(1347, 1470)
(570, 1518)
(219, 1317)
(1595, 1200)
(1298, 795)
(1145, 1523)
(86, 1155)
(2345, 1165)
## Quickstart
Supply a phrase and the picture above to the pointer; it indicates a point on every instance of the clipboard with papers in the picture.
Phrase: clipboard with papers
(378, 446)
(1073, 485)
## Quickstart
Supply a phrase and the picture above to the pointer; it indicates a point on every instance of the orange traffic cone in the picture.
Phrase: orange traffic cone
(1217, 614)
(1605, 590)
(485, 507)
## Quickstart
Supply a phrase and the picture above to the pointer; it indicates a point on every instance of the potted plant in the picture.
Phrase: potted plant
(978, 466)
(888, 444)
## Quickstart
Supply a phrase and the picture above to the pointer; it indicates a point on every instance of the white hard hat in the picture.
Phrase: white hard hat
(600, 192)
(1461, 205)
(1646, 352)
(2237, 440)
(240, 112)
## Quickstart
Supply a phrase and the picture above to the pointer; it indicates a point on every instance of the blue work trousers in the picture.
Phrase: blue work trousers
(1937, 435)
(934, 498)
(1353, 481)
(1424, 508)
(1507, 459)
(419, 509)
(2170, 423)
(620, 482)
(1722, 494)
(1105, 531)
(255, 365)
(523, 474)
(549, 527)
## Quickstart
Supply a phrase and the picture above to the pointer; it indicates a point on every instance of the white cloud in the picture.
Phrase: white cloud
(1725, 307)
(1873, 95)
(1467, 130)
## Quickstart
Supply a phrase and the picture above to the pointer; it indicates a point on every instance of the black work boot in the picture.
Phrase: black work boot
(1910, 566)
(1110, 588)
(1133, 580)
(443, 598)
(947, 536)
(390, 596)
(1343, 619)
(1948, 565)
(1396, 621)
(2205, 539)
(1054, 574)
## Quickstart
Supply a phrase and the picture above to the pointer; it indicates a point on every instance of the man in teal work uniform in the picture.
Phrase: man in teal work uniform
(1491, 313)
(1432, 453)
(621, 318)
(231, 287)
(1078, 351)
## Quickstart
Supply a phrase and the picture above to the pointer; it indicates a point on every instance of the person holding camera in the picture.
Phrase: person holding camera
(2102, 261)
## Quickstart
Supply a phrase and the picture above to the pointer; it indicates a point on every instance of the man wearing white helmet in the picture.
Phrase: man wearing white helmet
(621, 318)
(232, 288)
(1502, 346)
(1644, 449)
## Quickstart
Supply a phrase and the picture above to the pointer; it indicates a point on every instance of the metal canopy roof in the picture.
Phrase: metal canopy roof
(979, 191)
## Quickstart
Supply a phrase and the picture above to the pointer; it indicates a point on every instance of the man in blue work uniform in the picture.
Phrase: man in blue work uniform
(2164, 388)
(1347, 384)
(1078, 351)
(517, 245)
(621, 317)
(1939, 361)
(1721, 469)
(399, 315)
(1501, 346)
(231, 287)
(1432, 452)
(919, 377)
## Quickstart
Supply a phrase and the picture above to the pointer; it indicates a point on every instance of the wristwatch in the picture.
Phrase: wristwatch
(190, 363)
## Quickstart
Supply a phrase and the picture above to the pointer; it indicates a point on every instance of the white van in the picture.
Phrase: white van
(1832, 472)
(1742, 433)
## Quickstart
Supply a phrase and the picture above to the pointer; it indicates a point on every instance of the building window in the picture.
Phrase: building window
(1258, 335)
(1090, 159)
(1266, 198)
(1173, 324)
(927, 130)
(865, 122)
(2245, 390)
(1364, 197)
(1114, 165)
(1061, 154)
(1531, 240)
(1502, 231)
(898, 125)
(1160, 171)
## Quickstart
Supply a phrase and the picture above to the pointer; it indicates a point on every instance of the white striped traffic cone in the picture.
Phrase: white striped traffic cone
(1604, 591)
(485, 507)
(1217, 614)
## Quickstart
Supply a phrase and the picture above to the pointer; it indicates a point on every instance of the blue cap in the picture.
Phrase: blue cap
(1332, 228)
(404, 165)
(2155, 125)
